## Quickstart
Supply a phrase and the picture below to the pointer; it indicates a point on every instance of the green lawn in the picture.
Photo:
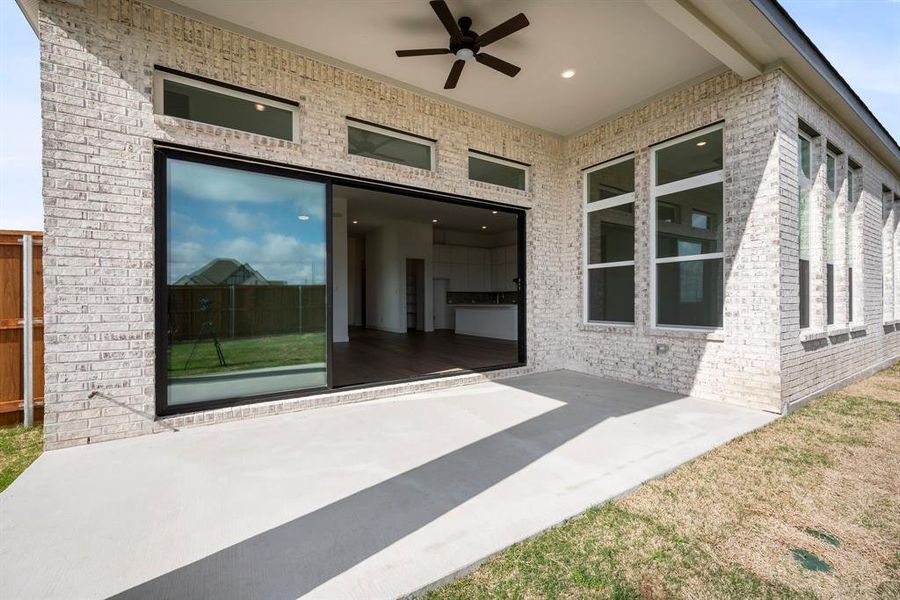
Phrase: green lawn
(19, 447)
(731, 524)
(248, 353)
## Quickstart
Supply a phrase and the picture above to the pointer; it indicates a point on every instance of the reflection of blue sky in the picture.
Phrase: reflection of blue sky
(215, 212)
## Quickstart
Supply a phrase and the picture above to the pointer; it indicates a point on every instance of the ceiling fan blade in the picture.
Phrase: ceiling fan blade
(446, 17)
(503, 29)
(495, 63)
(455, 72)
(423, 52)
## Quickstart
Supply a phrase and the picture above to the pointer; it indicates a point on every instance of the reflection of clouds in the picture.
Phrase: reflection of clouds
(187, 257)
(278, 257)
(243, 220)
(183, 225)
(211, 183)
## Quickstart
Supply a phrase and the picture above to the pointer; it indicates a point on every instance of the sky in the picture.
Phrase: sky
(859, 37)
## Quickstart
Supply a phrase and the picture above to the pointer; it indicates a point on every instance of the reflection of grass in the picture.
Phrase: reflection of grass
(248, 353)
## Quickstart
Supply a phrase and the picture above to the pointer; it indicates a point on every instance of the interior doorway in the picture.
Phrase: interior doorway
(415, 294)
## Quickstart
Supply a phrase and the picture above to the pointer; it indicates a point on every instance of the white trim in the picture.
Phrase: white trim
(674, 187)
(500, 161)
(159, 77)
(611, 265)
(690, 258)
(589, 207)
(432, 146)
(610, 202)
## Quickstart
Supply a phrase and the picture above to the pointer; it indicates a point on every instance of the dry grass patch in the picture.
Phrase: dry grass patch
(726, 525)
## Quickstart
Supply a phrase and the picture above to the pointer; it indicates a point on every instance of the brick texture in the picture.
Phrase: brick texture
(99, 128)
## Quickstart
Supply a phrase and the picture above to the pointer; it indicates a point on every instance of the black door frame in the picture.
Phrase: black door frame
(163, 151)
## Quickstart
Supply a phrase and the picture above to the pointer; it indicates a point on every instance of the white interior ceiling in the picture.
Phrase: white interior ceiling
(372, 209)
(622, 51)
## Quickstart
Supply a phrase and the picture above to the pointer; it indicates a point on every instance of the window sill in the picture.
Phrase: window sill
(811, 335)
(708, 335)
(610, 327)
(837, 330)
(857, 327)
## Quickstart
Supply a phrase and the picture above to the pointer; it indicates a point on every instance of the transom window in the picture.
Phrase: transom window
(687, 231)
(204, 101)
(381, 143)
(497, 171)
(609, 242)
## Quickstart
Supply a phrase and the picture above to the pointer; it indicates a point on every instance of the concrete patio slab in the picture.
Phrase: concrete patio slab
(373, 500)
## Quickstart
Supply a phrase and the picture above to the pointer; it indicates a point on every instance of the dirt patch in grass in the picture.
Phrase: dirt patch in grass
(19, 447)
(825, 480)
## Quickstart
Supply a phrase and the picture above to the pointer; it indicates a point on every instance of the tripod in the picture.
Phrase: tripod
(206, 329)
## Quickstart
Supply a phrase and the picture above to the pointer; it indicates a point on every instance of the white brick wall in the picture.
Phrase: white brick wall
(99, 127)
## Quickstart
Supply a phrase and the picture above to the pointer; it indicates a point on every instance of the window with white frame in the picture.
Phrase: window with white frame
(199, 99)
(609, 242)
(854, 180)
(830, 187)
(804, 174)
(687, 221)
(497, 171)
(383, 143)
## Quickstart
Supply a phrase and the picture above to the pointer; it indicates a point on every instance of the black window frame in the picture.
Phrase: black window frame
(167, 150)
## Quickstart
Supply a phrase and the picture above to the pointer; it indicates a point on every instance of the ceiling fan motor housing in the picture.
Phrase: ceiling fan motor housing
(467, 41)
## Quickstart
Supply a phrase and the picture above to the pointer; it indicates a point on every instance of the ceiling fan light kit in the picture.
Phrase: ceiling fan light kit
(466, 44)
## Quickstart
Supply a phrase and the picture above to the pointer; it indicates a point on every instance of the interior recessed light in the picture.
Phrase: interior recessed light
(260, 107)
(568, 74)
(434, 220)
(493, 212)
(303, 217)
(355, 222)
(484, 226)
(703, 143)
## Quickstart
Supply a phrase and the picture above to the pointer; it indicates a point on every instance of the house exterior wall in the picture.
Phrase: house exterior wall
(99, 130)
(99, 127)
(740, 363)
(822, 356)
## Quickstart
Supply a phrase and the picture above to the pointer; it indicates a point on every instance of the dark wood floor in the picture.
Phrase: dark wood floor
(373, 356)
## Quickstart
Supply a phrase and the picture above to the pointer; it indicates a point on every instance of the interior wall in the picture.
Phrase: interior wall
(356, 253)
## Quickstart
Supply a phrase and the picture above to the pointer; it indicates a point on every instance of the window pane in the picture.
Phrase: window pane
(829, 294)
(611, 181)
(689, 222)
(689, 293)
(692, 157)
(496, 173)
(804, 293)
(829, 172)
(611, 294)
(804, 156)
(198, 104)
(611, 234)
(372, 144)
(829, 231)
(246, 283)
(804, 223)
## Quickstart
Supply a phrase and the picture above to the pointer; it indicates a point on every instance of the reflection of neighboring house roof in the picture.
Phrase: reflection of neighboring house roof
(225, 271)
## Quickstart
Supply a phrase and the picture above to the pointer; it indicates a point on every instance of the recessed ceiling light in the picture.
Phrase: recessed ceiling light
(434, 220)
(493, 212)
(703, 143)
(484, 226)
(355, 222)
(260, 107)
(303, 217)
(568, 74)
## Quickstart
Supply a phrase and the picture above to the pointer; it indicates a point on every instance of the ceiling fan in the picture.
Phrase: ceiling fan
(465, 44)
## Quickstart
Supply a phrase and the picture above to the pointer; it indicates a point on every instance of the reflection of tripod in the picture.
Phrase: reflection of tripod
(206, 329)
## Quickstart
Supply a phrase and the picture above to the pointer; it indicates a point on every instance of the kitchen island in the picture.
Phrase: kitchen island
(499, 321)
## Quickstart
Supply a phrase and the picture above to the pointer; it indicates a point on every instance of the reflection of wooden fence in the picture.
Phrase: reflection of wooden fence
(21, 336)
(245, 310)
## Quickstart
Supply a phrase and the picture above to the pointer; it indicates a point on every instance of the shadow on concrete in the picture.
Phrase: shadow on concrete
(293, 559)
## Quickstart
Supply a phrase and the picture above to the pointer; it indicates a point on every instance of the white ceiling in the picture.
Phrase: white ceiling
(373, 209)
(622, 51)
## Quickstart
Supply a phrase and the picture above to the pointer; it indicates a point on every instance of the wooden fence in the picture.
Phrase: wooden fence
(21, 327)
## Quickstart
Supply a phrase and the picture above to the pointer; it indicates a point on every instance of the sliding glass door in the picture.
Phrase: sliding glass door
(244, 299)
